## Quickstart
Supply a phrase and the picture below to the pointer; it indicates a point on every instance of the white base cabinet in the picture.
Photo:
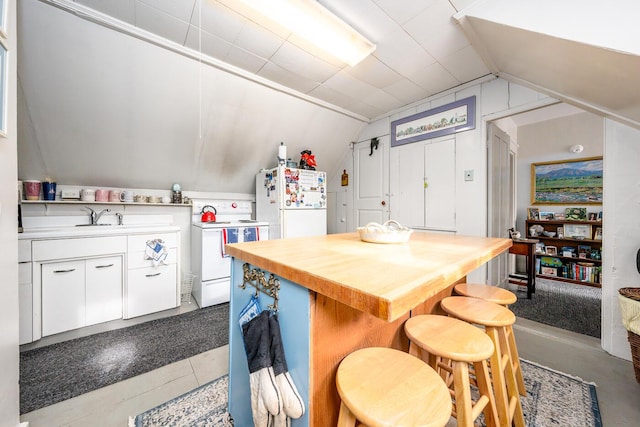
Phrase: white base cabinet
(103, 289)
(62, 297)
(81, 293)
(70, 283)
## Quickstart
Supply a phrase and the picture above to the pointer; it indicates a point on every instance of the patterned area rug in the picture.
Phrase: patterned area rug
(553, 399)
(61, 371)
(564, 305)
(204, 406)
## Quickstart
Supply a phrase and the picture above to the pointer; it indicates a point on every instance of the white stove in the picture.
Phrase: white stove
(209, 262)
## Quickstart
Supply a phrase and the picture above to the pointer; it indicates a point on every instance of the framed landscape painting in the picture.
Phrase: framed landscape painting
(567, 182)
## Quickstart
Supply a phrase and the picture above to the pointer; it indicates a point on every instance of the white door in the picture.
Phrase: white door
(440, 185)
(501, 199)
(409, 189)
(103, 289)
(371, 192)
(62, 296)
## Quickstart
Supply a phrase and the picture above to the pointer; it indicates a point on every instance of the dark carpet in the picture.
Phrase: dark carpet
(61, 371)
(564, 305)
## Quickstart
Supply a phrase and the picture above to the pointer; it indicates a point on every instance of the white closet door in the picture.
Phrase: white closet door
(440, 185)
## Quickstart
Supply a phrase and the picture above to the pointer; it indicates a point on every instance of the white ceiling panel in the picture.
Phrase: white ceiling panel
(208, 44)
(406, 61)
(382, 100)
(218, 20)
(258, 40)
(181, 9)
(433, 78)
(287, 78)
(465, 64)
(403, 11)
(406, 91)
(123, 10)
(244, 59)
(365, 16)
(372, 71)
(343, 82)
(157, 22)
(292, 58)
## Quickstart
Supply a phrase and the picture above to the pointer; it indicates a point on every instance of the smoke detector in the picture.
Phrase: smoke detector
(576, 148)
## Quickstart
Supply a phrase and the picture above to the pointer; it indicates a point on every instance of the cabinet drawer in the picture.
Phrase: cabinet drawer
(151, 289)
(138, 242)
(136, 259)
(78, 248)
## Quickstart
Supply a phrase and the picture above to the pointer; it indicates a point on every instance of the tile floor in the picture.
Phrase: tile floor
(579, 355)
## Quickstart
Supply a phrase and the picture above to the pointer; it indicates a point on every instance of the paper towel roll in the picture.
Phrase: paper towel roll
(282, 152)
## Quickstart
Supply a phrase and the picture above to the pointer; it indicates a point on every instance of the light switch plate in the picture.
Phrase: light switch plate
(468, 175)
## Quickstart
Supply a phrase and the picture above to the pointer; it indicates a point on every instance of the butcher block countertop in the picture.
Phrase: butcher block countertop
(385, 280)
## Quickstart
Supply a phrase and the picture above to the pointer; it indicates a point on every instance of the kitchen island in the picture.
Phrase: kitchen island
(338, 294)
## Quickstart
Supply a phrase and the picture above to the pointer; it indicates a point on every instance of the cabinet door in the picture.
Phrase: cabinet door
(151, 289)
(440, 184)
(62, 296)
(103, 289)
(408, 209)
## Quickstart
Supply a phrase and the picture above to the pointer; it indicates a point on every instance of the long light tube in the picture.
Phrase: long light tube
(318, 26)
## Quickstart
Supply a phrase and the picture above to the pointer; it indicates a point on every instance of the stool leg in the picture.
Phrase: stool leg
(484, 388)
(346, 417)
(515, 407)
(461, 387)
(515, 361)
(497, 376)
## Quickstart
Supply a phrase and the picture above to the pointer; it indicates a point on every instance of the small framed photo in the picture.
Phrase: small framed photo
(584, 251)
(598, 234)
(551, 250)
(540, 248)
(560, 232)
(593, 216)
(559, 216)
(533, 213)
(579, 214)
(548, 216)
(599, 216)
(577, 231)
(568, 251)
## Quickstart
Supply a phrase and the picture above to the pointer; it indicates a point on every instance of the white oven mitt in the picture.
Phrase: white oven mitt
(265, 396)
(293, 404)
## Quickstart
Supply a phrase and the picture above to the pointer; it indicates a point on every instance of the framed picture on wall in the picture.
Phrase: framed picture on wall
(566, 182)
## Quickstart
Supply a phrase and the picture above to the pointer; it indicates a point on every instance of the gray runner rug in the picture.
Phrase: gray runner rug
(553, 399)
(64, 370)
(564, 305)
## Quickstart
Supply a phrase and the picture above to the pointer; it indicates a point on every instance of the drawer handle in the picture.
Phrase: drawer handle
(152, 275)
(104, 266)
(64, 271)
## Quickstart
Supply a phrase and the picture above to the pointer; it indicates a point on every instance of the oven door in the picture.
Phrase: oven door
(214, 264)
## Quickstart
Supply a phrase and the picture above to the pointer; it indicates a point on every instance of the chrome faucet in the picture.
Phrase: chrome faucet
(95, 217)
(119, 216)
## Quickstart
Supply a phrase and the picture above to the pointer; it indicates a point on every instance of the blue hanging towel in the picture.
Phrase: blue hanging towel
(251, 234)
(230, 235)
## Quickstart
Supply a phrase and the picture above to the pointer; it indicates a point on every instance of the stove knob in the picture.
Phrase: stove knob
(234, 205)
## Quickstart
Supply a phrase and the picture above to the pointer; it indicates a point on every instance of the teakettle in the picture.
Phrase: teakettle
(207, 215)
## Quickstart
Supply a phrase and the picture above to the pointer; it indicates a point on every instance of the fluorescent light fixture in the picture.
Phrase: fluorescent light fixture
(317, 25)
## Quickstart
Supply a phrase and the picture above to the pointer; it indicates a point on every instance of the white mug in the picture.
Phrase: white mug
(127, 196)
(88, 195)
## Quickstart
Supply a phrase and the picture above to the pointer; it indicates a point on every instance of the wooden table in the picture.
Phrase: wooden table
(527, 247)
(338, 294)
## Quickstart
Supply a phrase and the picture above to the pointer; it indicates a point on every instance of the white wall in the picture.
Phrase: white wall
(621, 229)
(494, 98)
(9, 396)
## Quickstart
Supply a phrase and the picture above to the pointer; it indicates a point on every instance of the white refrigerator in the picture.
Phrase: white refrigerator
(293, 201)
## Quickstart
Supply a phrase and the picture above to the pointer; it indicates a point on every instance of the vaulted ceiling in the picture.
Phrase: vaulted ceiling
(165, 81)
(420, 50)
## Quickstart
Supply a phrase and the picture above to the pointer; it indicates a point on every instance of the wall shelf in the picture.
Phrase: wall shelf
(81, 202)
(571, 269)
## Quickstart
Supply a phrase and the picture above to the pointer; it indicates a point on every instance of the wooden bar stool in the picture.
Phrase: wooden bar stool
(503, 297)
(387, 387)
(443, 337)
(495, 319)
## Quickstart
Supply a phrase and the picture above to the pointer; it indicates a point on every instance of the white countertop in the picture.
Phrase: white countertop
(93, 231)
